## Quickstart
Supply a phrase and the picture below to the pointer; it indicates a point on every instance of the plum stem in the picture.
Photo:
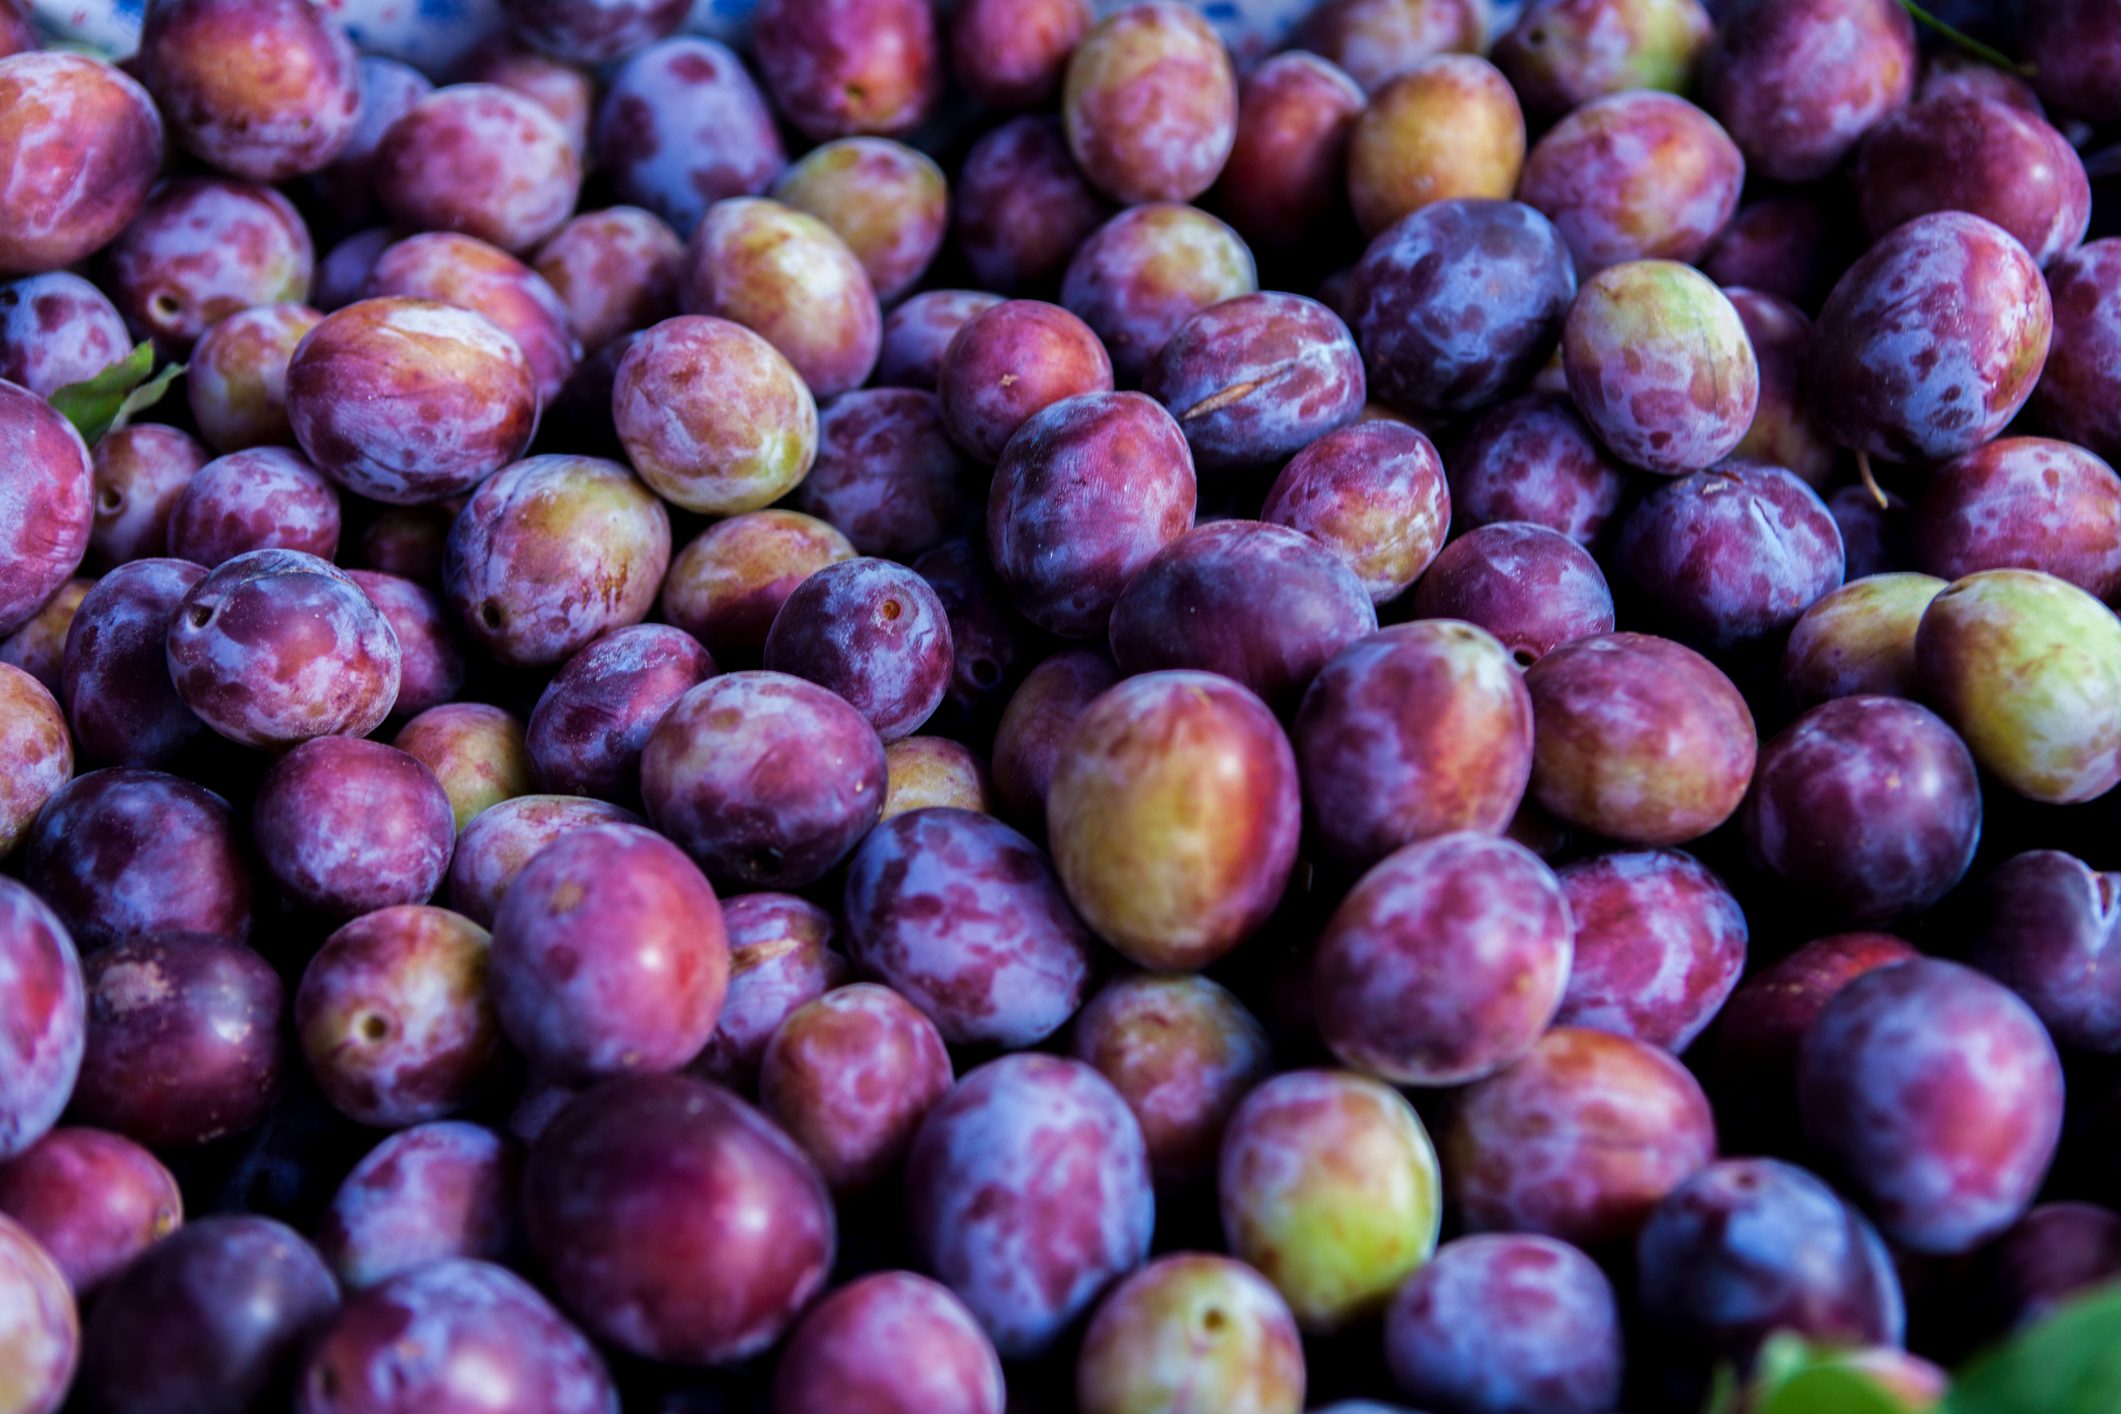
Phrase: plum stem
(1870, 482)
(1971, 45)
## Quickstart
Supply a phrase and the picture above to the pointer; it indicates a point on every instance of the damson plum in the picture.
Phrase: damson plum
(205, 248)
(1659, 945)
(140, 471)
(1637, 176)
(457, 269)
(115, 672)
(1328, 1187)
(850, 66)
(1146, 271)
(874, 633)
(1562, 54)
(36, 754)
(92, 1199)
(57, 211)
(1295, 112)
(595, 716)
(502, 840)
(1785, 431)
(476, 752)
(1028, 1191)
(425, 1194)
(849, 1076)
(1027, 741)
(2079, 396)
(1150, 103)
(889, 1343)
(266, 498)
(1191, 1327)
(1010, 362)
(1938, 1094)
(780, 958)
(45, 1012)
(57, 329)
(266, 89)
(1372, 494)
(2023, 503)
(925, 771)
(126, 853)
(40, 1330)
(480, 159)
(1533, 588)
(1533, 459)
(1976, 155)
(1860, 639)
(1023, 206)
(346, 826)
(2043, 926)
(1376, 39)
(917, 333)
(675, 1221)
(713, 417)
(1507, 1325)
(1799, 84)
(46, 484)
(887, 201)
(1446, 127)
(236, 380)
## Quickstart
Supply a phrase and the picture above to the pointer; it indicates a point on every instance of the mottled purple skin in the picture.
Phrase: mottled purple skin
(1785, 432)
(609, 957)
(1008, 363)
(1255, 379)
(502, 840)
(566, 90)
(1730, 556)
(57, 329)
(780, 958)
(1088, 493)
(1029, 1191)
(212, 1317)
(917, 333)
(889, 1343)
(43, 1017)
(388, 91)
(786, 275)
(727, 585)
(276, 647)
(1374, 40)
(430, 666)
(424, 1194)
(480, 159)
(1284, 177)
(1532, 459)
(116, 678)
(474, 749)
(342, 275)
(1027, 741)
(56, 212)
(1535, 589)
(2056, 1251)
(1860, 639)
(593, 33)
(1793, 245)
(1507, 1325)
(850, 66)
(184, 1040)
(676, 1222)
(615, 270)
(1932, 341)
(1977, 155)
(454, 1337)
(1142, 274)
(46, 505)
(682, 127)
(451, 268)
(963, 916)
(93, 1200)
(1580, 1140)
(127, 853)
(1374, 496)
(40, 1330)
(203, 248)
(1798, 85)
(2043, 926)
(267, 498)
(1459, 303)
(39, 646)
(393, 1017)
(1150, 103)
(1011, 54)
(889, 203)
(236, 379)
(1939, 1096)
(595, 716)
(1561, 54)
(849, 1077)
(714, 418)
(2079, 393)
(36, 754)
(263, 89)
(551, 553)
(1637, 176)
(140, 471)
(1023, 206)
(1659, 945)
(2023, 503)
(887, 475)
(987, 638)
(347, 826)
(367, 407)
(1874, 536)
(875, 634)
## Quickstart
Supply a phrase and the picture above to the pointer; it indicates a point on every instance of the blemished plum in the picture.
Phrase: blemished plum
(203, 248)
(2078, 396)
(370, 412)
(595, 716)
(236, 379)
(1188, 1327)
(1147, 271)
(713, 417)
(1659, 945)
(453, 1337)
(57, 329)
(1972, 154)
(496, 846)
(1150, 103)
(477, 754)
(430, 665)
(683, 126)
(115, 673)
(1374, 495)
(726, 587)
(480, 159)
(1785, 431)
(1028, 1191)
(1932, 341)
(1174, 811)
(47, 486)
(787, 276)
(1938, 1094)
(1507, 1324)
(425, 1194)
(675, 1221)
(393, 1017)
(1007, 364)
(36, 753)
(128, 853)
(1859, 640)
(1533, 588)
(615, 270)
(2026, 668)
(1562, 54)
(765, 779)
(927, 771)
(214, 1316)
(1580, 1140)
(1533, 459)
(609, 956)
(780, 958)
(889, 1343)
(1011, 54)
(1255, 379)
(850, 66)
(58, 212)
(849, 1078)
(595, 33)
(2056, 1251)
(1328, 1188)
(1638, 739)
(887, 475)
(1637, 176)
(264, 89)
(874, 633)
(1446, 127)
(453, 268)
(551, 553)
(92, 1199)
(889, 203)
(2043, 926)
(347, 826)
(1375, 39)
(140, 470)
(1023, 206)
(39, 646)
(1295, 112)
(202, 1017)
(1659, 364)
(266, 498)
(1027, 741)
(45, 1010)
(40, 1330)
(1798, 85)
(918, 332)
(2023, 503)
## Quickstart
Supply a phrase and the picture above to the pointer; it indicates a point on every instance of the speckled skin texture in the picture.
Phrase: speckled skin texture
(1295, 112)
(926, 771)
(780, 957)
(393, 1018)
(1374, 496)
(595, 33)
(2026, 668)
(93, 1201)
(564, 89)
(364, 405)
(115, 669)
(40, 1333)
(1533, 459)
(765, 779)
(1659, 946)
(887, 201)
(1023, 206)
(1255, 379)
(81, 144)
(917, 332)
(1659, 364)
(430, 1192)
(212, 1317)
(1579, 1140)
(594, 718)
(44, 1010)
(1507, 1324)
(713, 417)
(1027, 741)
(1142, 274)
(261, 499)
(887, 474)
(1859, 639)
(1637, 176)
(139, 471)
(38, 647)
(786, 275)
(236, 379)
(347, 825)
(1564, 53)
(127, 853)
(889, 1343)
(36, 754)
(496, 846)
(455, 1337)
(1966, 153)
(874, 633)
(1932, 341)
(2079, 393)
(850, 66)
(204, 248)
(1938, 1095)
(727, 585)
(57, 329)
(676, 1222)
(1328, 1187)
(1445, 128)
(476, 751)
(2023, 503)
(46, 507)
(200, 1014)
(849, 1077)
(263, 89)
(1191, 1331)
(452, 268)
(1261, 604)
(2055, 1251)
(275, 647)
(609, 956)
(1790, 245)
(1150, 103)
(2044, 927)
(1174, 812)
(1533, 588)
(1373, 40)
(615, 270)
(1010, 362)
(480, 159)
(1798, 85)
(1028, 1191)
(682, 126)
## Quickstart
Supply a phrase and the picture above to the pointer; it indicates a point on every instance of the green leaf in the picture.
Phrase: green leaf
(95, 405)
(2070, 1363)
(1829, 1388)
(145, 396)
(1985, 53)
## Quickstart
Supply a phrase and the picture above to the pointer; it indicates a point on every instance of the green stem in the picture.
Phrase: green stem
(1967, 42)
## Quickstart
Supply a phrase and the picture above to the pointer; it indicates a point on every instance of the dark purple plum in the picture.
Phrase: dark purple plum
(2043, 925)
(346, 826)
(93, 1200)
(874, 633)
(1284, 177)
(1973, 154)
(2023, 503)
(780, 957)
(2079, 394)
(1009, 362)
(1533, 459)
(47, 484)
(265, 498)
(1027, 741)
(595, 716)
(1799, 84)
(1023, 206)
(116, 680)
(1533, 588)
(595, 33)
(887, 475)
(849, 1077)
(2071, 45)
(889, 1343)
(2056, 1251)
(1660, 943)
(140, 472)
(917, 332)
(725, 587)
(1256, 379)
(425, 1194)
(987, 637)
(682, 126)
(1374, 495)
(1792, 245)
(503, 839)
(1139, 276)
(43, 1018)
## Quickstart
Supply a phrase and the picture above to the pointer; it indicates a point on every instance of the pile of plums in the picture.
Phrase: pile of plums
(1008, 706)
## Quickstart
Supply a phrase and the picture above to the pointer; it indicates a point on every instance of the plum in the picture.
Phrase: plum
(347, 826)
(595, 33)
(1636, 176)
(1010, 362)
(787, 276)
(1295, 112)
(115, 673)
(1027, 741)
(140, 470)
(712, 416)
(683, 126)
(889, 1343)
(39, 646)
(1150, 103)
(918, 332)
(1255, 379)
(83, 142)
(987, 639)
(430, 666)
(1785, 432)
(46, 485)
(495, 847)
(2041, 925)
(388, 90)
(1660, 943)
(780, 958)
(595, 716)
(1874, 529)
(1799, 84)
(40, 1330)
(1973, 154)
(2071, 45)
(2023, 503)
(1028, 1192)
(727, 585)
(425, 1194)
(92, 1199)
(1328, 1188)
(1374, 495)
(849, 66)
(1533, 459)
(1148, 270)
(481, 159)
(2055, 1251)
(265, 498)
(1191, 1327)
(1375, 39)
(564, 89)
(477, 754)
(615, 270)
(925, 771)
(57, 329)
(452, 268)
(1023, 206)
(1562, 54)
(1443, 128)
(887, 475)
(236, 381)
(45, 1010)
(36, 754)
(1011, 53)
(849, 1077)
(887, 201)
(1533, 588)
(264, 89)
(342, 275)
(1792, 245)
(2078, 393)
(1860, 639)
(203, 248)
(874, 633)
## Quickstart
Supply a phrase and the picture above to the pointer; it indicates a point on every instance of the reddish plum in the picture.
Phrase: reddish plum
(874, 633)
(202, 249)
(83, 142)
(838, 67)
(887, 475)
(1148, 270)
(917, 333)
(1532, 459)
(1374, 495)
(1295, 112)
(262, 499)
(596, 714)
(1008, 363)
(1191, 1327)
(115, 668)
(236, 380)
(1446, 128)
(727, 585)
(425, 1194)
(46, 503)
(1966, 153)
(480, 159)
(850, 1076)
(1376, 39)
(496, 846)
(92, 1199)
(140, 472)
(2023, 503)
(40, 1330)
(476, 752)
(1256, 379)
(45, 1011)
(1533, 588)
(1027, 742)
(786, 275)
(1799, 84)
(889, 1343)
(1637, 176)
(461, 270)
(1150, 103)
(430, 666)
(1785, 431)
(1659, 945)
(36, 754)
(1562, 54)
(346, 826)
(615, 270)
(39, 646)
(265, 89)
(2079, 396)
